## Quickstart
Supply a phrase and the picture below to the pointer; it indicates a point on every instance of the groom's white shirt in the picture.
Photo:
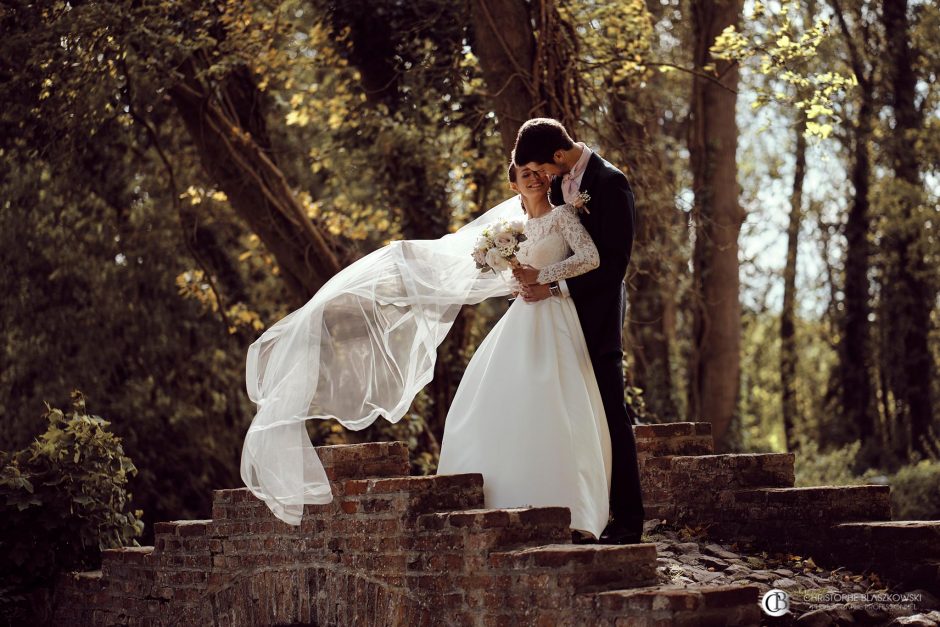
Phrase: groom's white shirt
(570, 184)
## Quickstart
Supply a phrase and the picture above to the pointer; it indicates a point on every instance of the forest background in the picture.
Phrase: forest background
(177, 176)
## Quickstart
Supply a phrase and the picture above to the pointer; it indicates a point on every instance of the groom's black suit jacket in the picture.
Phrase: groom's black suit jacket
(599, 295)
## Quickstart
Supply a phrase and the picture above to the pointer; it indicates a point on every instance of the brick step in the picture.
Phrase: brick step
(131, 562)
(481, 531)
(790, 519)
(581, 567)
(416, 495)
(170, 537)
(874, 543)
(826, 505)
(413, 495)
(358, 461)
(729, 471)
(341, 462)
(673, 438)
(674, 605)
(684, 480)
(901, 551)
(907, 551)
(915, 540)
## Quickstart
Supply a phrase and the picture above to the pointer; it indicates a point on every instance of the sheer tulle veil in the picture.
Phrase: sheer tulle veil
(362, 347)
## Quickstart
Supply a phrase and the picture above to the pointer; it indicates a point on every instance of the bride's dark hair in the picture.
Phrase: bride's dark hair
(511, 173)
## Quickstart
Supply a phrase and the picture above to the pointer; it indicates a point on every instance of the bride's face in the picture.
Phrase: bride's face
(530, 183)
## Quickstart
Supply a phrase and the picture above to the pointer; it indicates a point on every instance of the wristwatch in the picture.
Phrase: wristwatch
(553, 289)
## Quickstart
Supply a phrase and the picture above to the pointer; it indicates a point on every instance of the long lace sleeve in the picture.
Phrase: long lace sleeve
(584, 255)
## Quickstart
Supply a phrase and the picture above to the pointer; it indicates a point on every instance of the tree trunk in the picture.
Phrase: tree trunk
(788, 353)
(527, 76)
(425, 211)
(713, 136)
(854, 348)
(856, 388)
(651, 278)
(908, 295)
(228, 128)
(506, 56)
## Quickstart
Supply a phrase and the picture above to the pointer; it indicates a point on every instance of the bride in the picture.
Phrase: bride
(528, 413)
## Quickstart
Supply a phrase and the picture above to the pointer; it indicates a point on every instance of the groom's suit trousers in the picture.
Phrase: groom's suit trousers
(626, 498)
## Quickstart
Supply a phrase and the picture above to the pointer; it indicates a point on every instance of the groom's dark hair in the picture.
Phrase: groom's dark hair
(538, 139)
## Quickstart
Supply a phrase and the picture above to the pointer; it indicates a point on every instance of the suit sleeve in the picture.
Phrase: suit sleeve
(615, 238)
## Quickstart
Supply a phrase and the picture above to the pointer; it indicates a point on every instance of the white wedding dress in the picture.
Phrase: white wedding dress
(528, 413)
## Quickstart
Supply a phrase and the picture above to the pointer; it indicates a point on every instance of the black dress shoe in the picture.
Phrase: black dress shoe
(618, 534)
(582, 537)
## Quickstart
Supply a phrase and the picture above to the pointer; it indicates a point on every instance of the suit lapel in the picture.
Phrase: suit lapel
(595, 163)
(590, 172)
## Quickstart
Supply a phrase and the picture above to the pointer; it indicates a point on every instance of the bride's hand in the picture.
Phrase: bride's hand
(527, 275)
(535, 293)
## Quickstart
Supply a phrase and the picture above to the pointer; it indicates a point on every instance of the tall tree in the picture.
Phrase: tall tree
(788, 349)
(506, 57)
(629, 105)
(856, 390)
(526, 51)
(713, 139)
(652, 277)
(226, 122)
(906, 289)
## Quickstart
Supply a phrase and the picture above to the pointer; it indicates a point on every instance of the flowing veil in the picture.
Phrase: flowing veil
(362, 347)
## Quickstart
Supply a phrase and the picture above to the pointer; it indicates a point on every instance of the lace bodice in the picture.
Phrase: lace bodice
(558, 245)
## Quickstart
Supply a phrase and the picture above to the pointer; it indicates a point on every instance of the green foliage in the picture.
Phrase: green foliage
(815, 467)
(915, 488)
(376, 104)
(65, 498)
(759, 400)
(915, 491)
(88, 263)
(784, 45)
(618, 36)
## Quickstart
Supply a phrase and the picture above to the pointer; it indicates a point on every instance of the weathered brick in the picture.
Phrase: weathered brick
(397, 550)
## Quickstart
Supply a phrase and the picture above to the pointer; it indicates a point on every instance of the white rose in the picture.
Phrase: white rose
(505, 240)
(496, 260)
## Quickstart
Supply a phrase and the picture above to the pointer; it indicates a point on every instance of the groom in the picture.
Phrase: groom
(609, 217)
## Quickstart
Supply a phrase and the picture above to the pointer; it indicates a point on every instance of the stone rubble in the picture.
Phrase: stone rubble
(685, 561)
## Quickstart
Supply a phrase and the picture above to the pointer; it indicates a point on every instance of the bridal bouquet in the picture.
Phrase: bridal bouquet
(497, 245)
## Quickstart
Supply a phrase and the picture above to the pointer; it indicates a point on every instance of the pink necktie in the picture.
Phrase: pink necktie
(571, 182)
(569, 185)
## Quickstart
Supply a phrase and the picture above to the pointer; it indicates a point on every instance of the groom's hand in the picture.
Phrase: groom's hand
(527, 275)
(535, 292)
